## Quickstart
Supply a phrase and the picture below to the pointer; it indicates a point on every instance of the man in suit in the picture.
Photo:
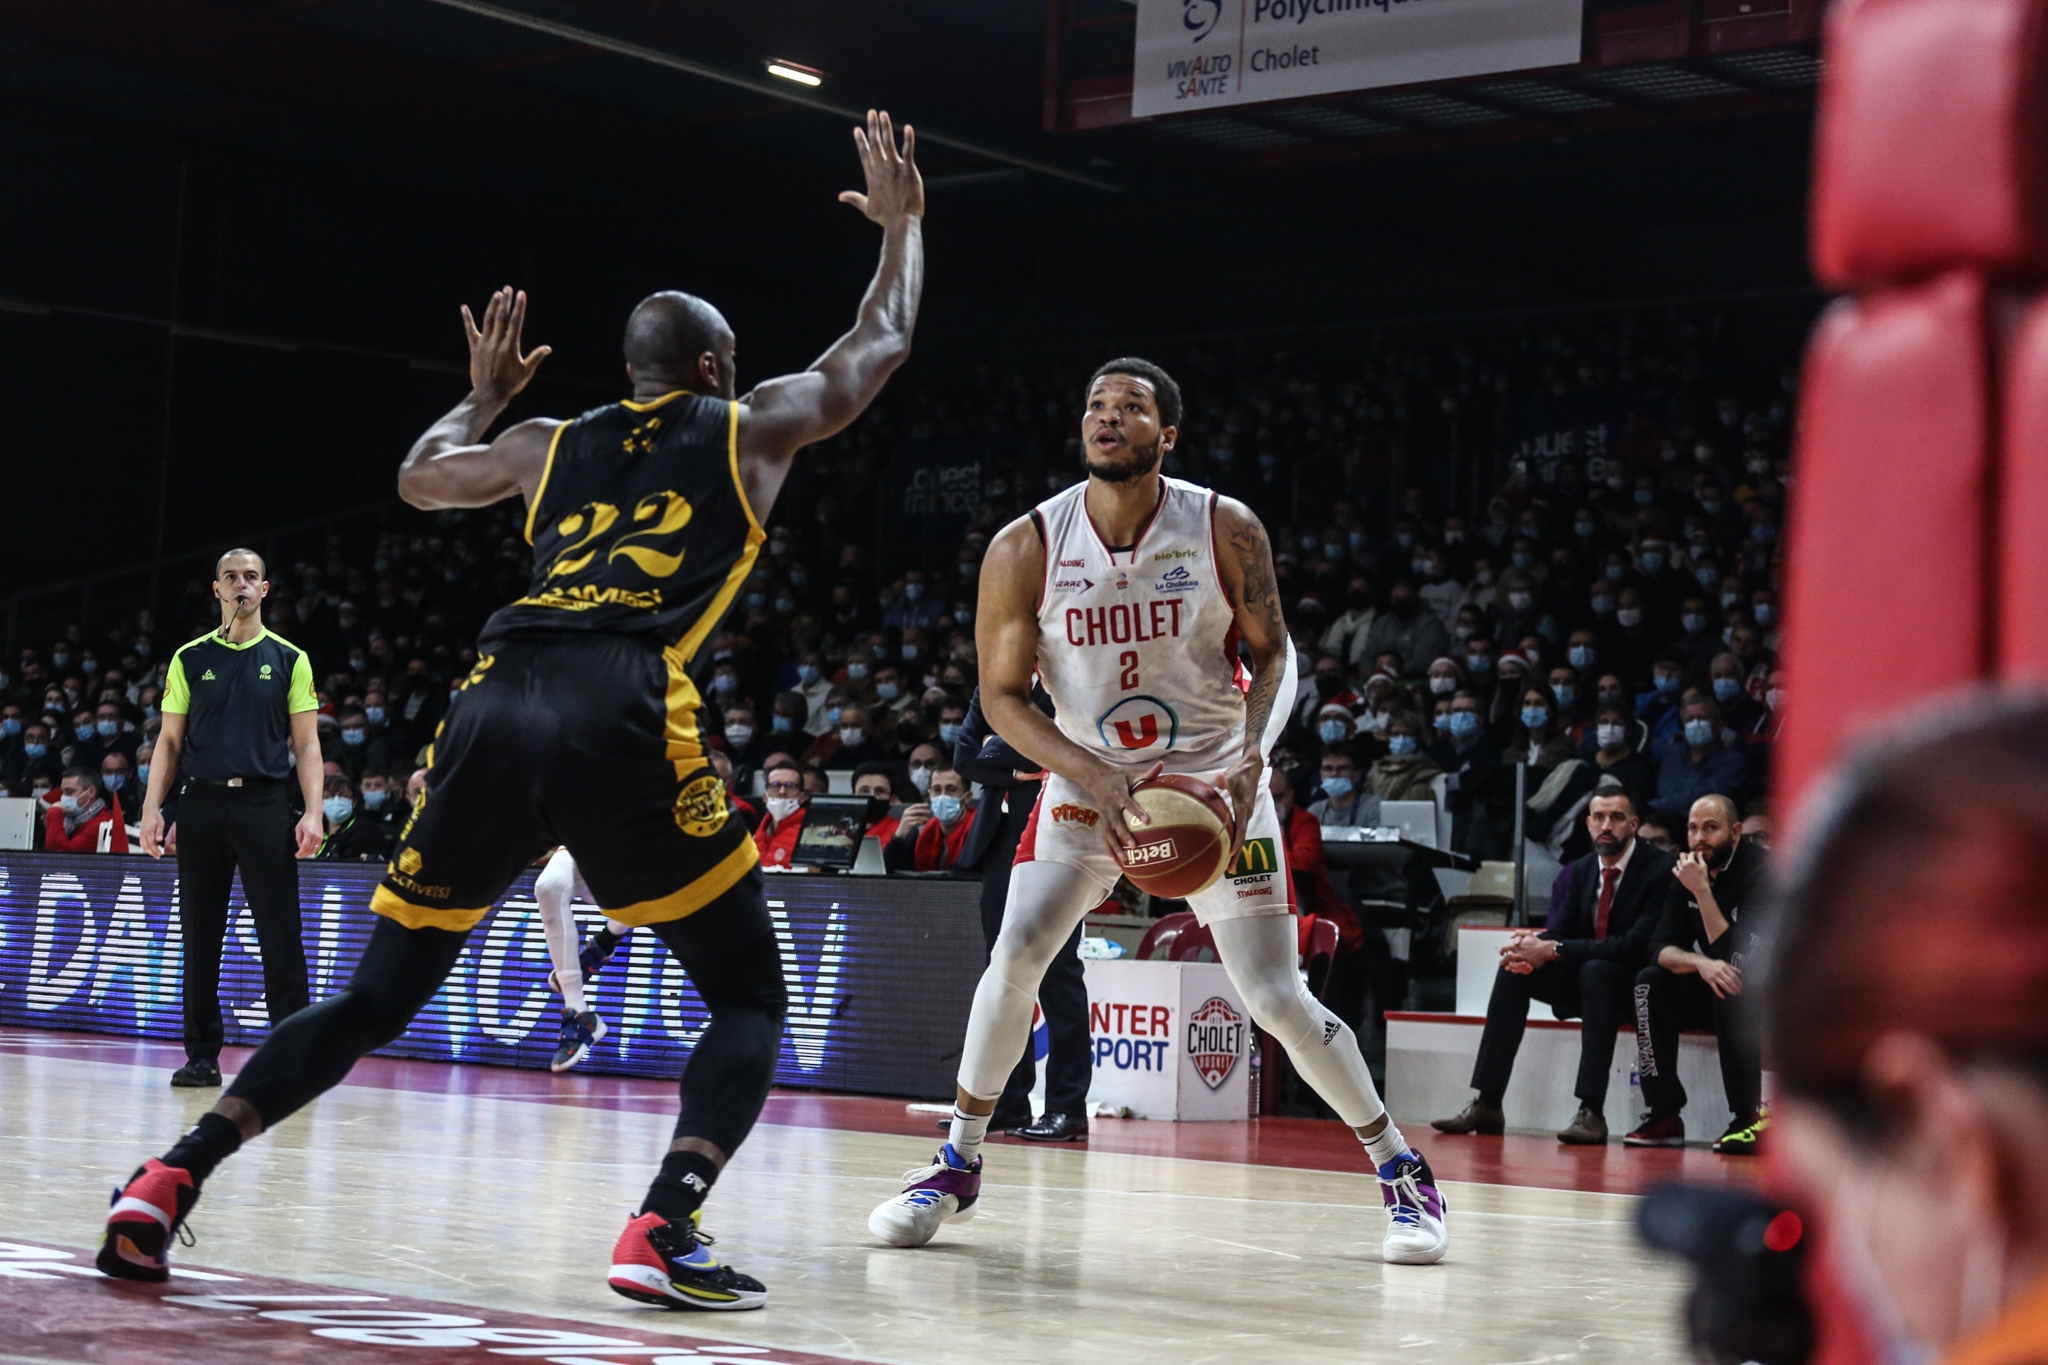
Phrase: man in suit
(1010, 783)
(1584, 963)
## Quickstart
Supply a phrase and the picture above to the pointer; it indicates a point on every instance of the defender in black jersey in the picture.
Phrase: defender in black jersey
(579, 727)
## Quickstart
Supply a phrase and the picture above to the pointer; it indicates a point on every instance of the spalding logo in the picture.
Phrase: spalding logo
(1215, 1040)
(1144, 855)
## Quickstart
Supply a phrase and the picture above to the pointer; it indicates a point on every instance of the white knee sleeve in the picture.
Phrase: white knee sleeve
(553, 890)
(1046, 900)
(1260, 955)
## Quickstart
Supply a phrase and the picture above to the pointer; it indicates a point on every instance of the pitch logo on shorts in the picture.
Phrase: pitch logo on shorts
(1216, 1036)
(1069, 813)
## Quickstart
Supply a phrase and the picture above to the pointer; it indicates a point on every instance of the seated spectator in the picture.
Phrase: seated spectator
(1705, 940)
(1697, 764)
(1574, 706)
(1739, 711)
(1537, 740)
(775, 837)
(1408, 628)
(847, 746)
(787, 718)
(74, 822)
(105, 733)
(873, 781)
(890, 694)
(117, 780)
(941, 838)
(1334, 725)
(1405, 773)
(1614, 736)
(918, 764)
(815, 781)
(1658, 708)
(382, 796)
(351, 836)
(1343, 802)
(741, 739)
(1445, 677)
(1583, 964)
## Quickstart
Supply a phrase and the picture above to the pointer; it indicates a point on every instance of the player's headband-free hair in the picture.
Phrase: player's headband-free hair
(264, 568)
(1165, 392)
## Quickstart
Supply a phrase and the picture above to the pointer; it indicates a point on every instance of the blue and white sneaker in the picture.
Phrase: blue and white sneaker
(580, 1033)
(1418, 1232)
(943, 1192)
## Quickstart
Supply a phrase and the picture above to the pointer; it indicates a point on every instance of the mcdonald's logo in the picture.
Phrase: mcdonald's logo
(1257, 856)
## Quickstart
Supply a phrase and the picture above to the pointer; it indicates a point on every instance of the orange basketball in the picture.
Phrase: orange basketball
(1186, 847)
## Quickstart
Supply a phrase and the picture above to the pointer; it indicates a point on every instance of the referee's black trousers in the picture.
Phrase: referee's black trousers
(219, 830)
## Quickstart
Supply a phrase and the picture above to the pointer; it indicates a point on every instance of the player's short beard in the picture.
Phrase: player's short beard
(1144, 459)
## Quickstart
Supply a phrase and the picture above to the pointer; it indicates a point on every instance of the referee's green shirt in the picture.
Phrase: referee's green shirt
(238, 702)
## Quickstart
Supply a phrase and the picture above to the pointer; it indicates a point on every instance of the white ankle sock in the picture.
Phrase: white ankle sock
(969, 1130)
(1385, 1145)
(570, 979)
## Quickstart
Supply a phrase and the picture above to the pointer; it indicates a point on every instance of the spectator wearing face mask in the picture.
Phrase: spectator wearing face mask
(741, 740)
(1334, 725)
(1445, 677)
(1698, 642)
(1344, 801)
(815, 688)
(1615, 736)
(81, 811)
(890, 694)
(1326, 685)
(952, 719)
(941, 839)
(1697, 764)
(1439, 590)
(123, 792)
(873, 781)
(1405, 773)
(381, 795)
(1537, 739)
(355, 748)
(1575, 704)
(786, 721)
(847, 747)
(915, 607)
(40, 762)
(1740, 712)
(775, 838)
(1516, 612)
(1630, 646)
(104, 734)
(350, 836)
(1658, 709)
(1407, 628)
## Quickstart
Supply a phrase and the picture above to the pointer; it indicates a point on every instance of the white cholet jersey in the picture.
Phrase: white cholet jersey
(1138, 646)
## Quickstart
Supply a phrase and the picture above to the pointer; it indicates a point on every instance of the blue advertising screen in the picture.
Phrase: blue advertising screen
(880, 972)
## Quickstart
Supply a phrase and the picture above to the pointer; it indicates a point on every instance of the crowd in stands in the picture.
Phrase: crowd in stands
(1605, 616)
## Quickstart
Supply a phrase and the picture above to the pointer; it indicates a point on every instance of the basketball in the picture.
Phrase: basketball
(1186, 847)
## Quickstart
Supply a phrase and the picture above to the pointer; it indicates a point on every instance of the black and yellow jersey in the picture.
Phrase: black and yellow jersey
(640, 526)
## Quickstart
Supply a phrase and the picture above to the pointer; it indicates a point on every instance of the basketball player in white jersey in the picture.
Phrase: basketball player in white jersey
(1128, 595)
(574, 962)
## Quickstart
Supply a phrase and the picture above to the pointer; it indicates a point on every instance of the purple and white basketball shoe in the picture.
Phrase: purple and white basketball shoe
(1418, 1232)
(943, 1192)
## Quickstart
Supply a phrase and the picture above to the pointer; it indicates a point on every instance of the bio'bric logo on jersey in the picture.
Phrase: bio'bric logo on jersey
(1139, 725)
(1199, 17)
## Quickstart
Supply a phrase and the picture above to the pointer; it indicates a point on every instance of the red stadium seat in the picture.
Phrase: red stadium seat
(1159, 939)
(1931, 150)
(1888, 517)
(1192, 944)
(2023, 502)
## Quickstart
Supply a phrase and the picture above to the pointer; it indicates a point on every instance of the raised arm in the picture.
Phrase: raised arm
(1245, 560)
(451, 465)
(1006, 645)
(784, 415)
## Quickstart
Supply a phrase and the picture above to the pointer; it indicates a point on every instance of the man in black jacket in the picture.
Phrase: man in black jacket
(1583, 963)
(1010, 783)
(1703, 942)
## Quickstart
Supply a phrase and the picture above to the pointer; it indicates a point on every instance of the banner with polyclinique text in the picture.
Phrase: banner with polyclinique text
(1208, 54)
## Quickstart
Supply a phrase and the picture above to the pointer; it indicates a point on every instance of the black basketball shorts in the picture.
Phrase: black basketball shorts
(588, 741)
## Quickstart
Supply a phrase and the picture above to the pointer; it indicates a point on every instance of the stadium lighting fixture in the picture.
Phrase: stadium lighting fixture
(791, 71)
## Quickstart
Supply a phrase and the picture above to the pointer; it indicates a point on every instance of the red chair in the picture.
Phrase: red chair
(1159, 939)
(1321, 954)
(1192, 944)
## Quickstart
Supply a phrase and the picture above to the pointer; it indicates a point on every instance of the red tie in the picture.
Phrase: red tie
(1608, 877)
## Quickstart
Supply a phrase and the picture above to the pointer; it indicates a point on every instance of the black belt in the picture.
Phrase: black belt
(242, 781)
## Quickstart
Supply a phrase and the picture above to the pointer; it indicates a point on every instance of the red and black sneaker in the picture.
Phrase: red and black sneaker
(1657, 1132)
(670, 1265)
(148, 1212)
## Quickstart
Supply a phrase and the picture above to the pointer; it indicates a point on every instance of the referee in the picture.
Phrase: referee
(237, 706)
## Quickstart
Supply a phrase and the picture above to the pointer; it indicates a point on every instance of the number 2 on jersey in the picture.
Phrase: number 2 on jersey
(1129, 663)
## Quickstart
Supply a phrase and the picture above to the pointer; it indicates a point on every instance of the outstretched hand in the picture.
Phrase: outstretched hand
(496, 369)
(895, 189)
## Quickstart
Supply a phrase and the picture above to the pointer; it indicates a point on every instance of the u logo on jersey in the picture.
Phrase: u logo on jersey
(1141, 726)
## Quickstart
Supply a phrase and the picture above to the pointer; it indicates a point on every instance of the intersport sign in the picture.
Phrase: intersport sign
(1208, 54)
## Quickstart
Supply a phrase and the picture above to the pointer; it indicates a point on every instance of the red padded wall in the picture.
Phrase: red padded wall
(2023, 502)
(1931, 149)
(1885, 585)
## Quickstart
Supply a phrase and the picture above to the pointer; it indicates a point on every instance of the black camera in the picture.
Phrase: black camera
(1748, 1255)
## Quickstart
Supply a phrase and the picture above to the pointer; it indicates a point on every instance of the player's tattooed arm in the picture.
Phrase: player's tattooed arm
(1246, 556)
(451, 465)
